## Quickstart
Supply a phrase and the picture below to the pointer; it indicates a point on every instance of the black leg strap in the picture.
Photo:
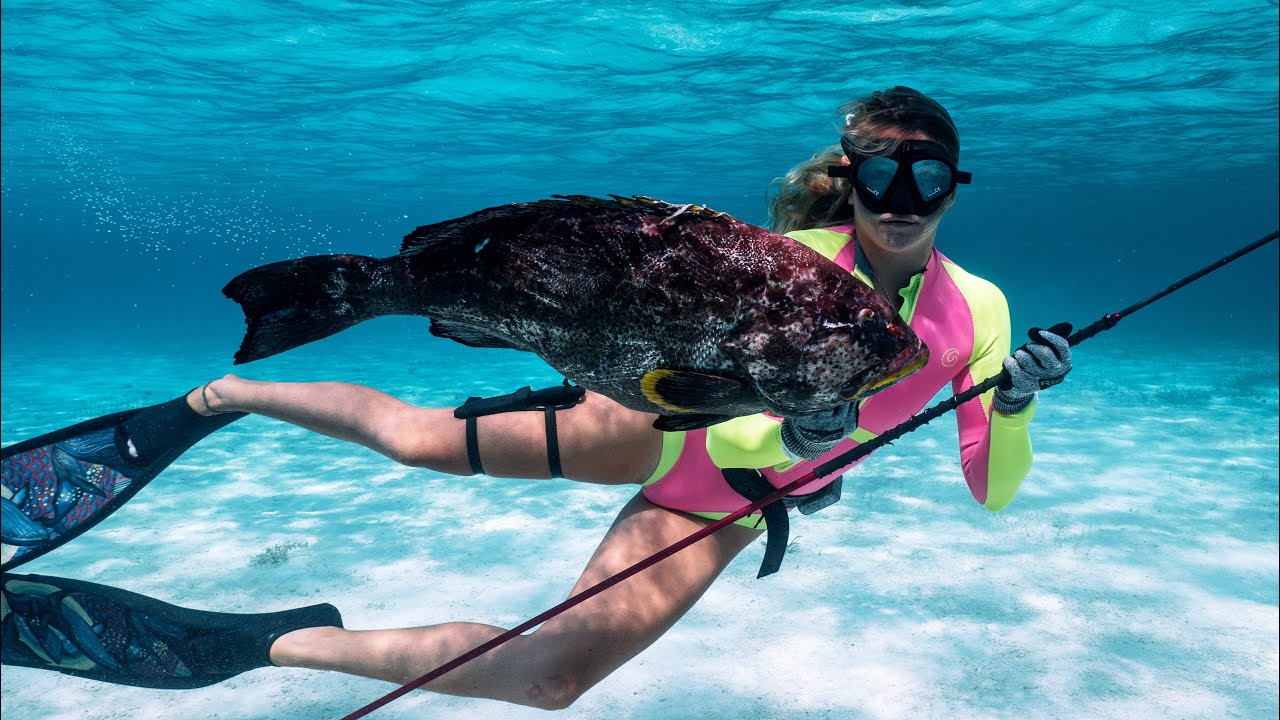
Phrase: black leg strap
(473, 447)
(549, 400)
(553, 444)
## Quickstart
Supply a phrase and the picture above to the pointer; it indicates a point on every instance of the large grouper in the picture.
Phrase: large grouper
(671, 309)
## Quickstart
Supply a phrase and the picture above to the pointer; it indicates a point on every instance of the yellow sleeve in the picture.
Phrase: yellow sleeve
(995, 449)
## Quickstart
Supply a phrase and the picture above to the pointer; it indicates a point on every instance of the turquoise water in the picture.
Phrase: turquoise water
(151, 151)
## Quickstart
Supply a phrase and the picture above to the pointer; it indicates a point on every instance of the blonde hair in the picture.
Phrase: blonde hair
(806, 198)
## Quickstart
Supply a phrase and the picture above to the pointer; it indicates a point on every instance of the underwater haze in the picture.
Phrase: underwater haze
(150, 151)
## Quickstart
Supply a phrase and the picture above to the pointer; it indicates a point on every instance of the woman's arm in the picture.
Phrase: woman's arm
(995, 449)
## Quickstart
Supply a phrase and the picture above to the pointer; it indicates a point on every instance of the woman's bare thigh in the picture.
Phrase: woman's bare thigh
(600, 441)
(590, 641)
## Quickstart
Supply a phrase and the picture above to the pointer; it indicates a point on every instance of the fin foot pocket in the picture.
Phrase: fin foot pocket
(58, 485)
(104, 633)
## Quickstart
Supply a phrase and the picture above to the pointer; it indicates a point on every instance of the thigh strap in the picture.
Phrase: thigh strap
(553, 443)
(548, 400)
(473, 447)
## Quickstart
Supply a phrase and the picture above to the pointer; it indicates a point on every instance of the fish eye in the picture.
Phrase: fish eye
(865, 315)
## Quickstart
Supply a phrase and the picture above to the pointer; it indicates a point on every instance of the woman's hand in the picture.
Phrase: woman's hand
(805, 437)
(1040, 364)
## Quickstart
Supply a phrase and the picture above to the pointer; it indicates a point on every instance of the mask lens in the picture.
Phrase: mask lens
(933, 178)
(875, 174)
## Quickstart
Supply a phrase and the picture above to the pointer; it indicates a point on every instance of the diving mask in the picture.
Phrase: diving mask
(915, 179)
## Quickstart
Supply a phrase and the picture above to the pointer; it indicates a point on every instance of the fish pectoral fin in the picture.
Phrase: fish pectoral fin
(470, 335)
(684, 391)
(685, 423)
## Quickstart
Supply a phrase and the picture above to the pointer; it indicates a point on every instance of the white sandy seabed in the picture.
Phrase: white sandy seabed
(1134, 577)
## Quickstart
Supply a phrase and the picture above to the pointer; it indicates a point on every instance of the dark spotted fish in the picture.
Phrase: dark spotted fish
(670, 309)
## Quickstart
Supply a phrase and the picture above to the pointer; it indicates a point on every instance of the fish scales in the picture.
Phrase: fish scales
(734, 319)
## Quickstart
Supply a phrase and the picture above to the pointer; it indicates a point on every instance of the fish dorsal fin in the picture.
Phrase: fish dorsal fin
(470, 335)
(478, 226)
(642, 202)
(662, 207)
(683, 391)
(474, 228)
(685, 423)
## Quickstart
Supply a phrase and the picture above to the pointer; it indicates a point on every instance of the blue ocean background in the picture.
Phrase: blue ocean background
(150, 151)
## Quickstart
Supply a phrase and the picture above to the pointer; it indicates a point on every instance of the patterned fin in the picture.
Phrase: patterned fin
(112, 635)
(479, 224)
(58, 485)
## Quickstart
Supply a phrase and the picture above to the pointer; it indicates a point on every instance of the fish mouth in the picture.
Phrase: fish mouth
(871, 387)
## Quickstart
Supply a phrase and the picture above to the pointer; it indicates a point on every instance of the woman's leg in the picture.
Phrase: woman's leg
(600, 441)
(565, 656)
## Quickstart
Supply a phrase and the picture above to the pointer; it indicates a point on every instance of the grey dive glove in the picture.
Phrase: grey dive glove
(805, 437)
(1039, 364)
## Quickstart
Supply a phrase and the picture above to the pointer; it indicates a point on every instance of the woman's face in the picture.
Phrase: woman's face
(894, 233)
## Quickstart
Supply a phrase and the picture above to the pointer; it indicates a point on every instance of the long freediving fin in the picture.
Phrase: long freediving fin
(58, 485)
(104, 633)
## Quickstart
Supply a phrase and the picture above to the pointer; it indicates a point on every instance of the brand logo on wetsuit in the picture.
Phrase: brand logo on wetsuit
(950, 357)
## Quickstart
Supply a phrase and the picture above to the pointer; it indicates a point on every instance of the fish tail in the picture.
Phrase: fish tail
(294, 302)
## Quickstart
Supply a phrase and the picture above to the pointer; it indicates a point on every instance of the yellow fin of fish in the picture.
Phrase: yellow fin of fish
(683, 391)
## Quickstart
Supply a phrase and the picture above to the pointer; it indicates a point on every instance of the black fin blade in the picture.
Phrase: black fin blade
(186, 648)
(470, 335)
(683, 391)
(685, 423)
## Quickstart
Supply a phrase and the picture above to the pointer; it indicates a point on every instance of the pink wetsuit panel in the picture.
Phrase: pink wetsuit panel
(694, 483)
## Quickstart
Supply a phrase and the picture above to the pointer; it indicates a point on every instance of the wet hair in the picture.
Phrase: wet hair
(806, 198)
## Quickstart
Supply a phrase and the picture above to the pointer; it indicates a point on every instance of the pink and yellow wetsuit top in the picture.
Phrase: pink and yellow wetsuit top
(964, 321)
